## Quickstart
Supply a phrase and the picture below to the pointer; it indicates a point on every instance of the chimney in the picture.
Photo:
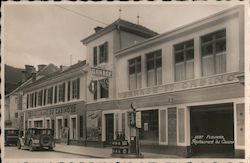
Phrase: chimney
(62, 68)
(33, 74)
(28, 70)
(98, 28)
(40, 67)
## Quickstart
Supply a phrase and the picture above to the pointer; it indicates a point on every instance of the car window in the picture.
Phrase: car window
(12, 132)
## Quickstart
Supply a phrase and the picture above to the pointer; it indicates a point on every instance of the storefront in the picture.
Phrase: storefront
(67, 120)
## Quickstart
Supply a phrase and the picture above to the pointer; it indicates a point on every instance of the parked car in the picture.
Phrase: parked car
(37, 138)
(11, 136)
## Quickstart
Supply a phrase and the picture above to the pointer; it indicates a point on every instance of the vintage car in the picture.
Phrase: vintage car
(37, 138)
(11, 136)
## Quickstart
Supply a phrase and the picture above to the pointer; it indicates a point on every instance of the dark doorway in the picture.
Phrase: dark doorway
(149, 132)
(109, 128)
(212, 129)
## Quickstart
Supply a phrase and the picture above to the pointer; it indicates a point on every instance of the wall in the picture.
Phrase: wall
(233, 57)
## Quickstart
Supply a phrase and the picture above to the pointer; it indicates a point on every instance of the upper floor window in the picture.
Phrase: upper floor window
(69, 89)
(184, 60)
(135, 73)
(44, 96)
(55, 95)
(27, 101)
(100, 54)
(103, 53)
(154, 68)
(213, 52)
(50, 95)
(62, 92)
(104, 88)
(40, 98)
(76, 89)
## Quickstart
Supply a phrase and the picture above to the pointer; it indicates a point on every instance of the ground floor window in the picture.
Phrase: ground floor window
(59, 128)
(149, 133)
(38, 123)
(73, 128)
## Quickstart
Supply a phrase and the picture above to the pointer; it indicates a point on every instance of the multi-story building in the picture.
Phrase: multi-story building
(57, 101)
(187, 83)
(14, 100)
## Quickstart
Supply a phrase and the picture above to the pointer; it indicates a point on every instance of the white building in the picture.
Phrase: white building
(187, 83)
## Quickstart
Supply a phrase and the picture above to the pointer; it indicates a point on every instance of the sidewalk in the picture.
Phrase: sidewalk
(95, 152)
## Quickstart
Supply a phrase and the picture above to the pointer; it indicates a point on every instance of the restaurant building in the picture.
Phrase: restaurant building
(187, 83)
(57, 101)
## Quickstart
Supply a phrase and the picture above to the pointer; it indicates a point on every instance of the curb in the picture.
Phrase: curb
(92, 156)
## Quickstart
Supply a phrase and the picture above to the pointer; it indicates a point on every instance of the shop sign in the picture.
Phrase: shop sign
(210, 139)
(185, 85)
(53, 111)
(138, 119)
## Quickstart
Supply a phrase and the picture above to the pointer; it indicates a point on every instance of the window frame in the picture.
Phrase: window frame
(155, 57)
(213, 43)
(184, 50)
(136, 72)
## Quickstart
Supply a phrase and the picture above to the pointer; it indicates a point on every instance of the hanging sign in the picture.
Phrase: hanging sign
(138, 119)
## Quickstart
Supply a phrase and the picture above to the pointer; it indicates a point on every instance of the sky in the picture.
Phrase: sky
(48, 33)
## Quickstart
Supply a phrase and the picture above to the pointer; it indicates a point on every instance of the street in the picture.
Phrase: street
(11, 152)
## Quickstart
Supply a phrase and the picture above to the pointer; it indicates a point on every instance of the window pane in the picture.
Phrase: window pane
(179, 71)
(150, 65)
(159, 76)
(220, 63)
(179, 47)
(151, 78)
(132, 81)
(190, 54)
(179, 57)
(158, 61)
(207, 49)
(190, 69)
(220, 34)
(207, 38)
(220, 46)
(208, 65)
(138, 81)
(131, 69)
(189, 44)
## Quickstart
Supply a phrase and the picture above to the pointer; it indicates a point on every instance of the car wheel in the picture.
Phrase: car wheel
(18, 145)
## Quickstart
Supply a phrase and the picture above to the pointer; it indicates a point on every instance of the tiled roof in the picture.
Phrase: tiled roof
(123, 25)
(57, 73)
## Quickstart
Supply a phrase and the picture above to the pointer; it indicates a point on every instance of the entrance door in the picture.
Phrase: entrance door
(109, 128)
(212, 129)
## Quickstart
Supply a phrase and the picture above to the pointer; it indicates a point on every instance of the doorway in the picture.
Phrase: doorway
(212, 129)
(109, 118)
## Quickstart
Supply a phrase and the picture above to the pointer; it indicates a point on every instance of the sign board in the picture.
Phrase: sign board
(138, 119)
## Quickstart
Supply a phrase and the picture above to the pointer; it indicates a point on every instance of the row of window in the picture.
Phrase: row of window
(100, 54)
(213, 61)
(45, 96)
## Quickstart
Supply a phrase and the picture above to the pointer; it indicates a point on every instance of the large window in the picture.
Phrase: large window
(95, 56)
(184, 60)
(62, 92)
(135, 73)
(104, 88)
(103, 53)
(69, 89)
(50, 95)
(44, 96)
(40, 98)
(55, 95)
(213, 52)
(76, 89)
(154, 70)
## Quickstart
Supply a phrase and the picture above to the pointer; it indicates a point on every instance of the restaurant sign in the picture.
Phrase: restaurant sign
(184, 85)
(66, 109)
(210, 139)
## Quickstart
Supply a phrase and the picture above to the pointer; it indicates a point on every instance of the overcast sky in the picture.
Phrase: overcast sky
(43, 34)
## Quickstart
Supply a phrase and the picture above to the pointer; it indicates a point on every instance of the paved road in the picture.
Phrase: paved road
(13, 152)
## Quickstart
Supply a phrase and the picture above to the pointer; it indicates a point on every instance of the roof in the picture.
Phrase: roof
(122, 25)
(44, 72)
(184, 28)
(57, 73)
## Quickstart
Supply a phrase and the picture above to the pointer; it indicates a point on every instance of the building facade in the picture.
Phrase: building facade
(187, 84)
(57, 101)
